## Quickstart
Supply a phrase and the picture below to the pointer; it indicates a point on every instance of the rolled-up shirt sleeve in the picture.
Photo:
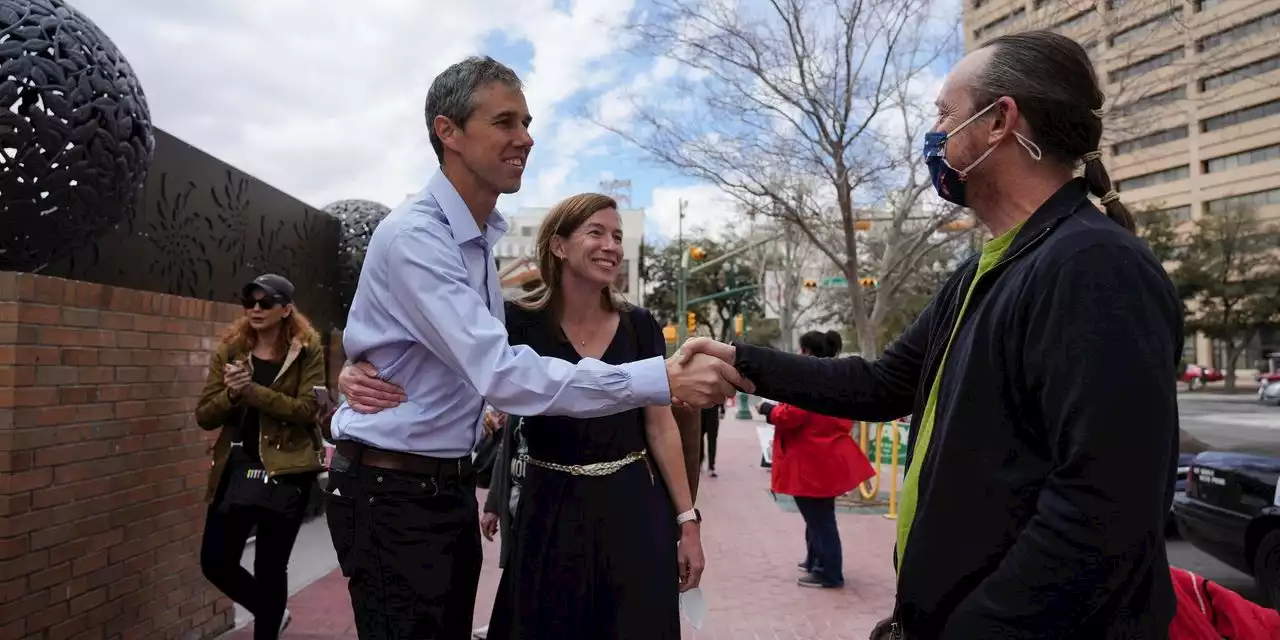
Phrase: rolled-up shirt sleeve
(439, 309)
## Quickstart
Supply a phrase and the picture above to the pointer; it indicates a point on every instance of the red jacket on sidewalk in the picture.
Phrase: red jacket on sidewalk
(814, 456)
(1209, 611)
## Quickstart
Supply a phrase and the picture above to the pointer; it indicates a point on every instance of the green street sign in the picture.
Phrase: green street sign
(837, 281)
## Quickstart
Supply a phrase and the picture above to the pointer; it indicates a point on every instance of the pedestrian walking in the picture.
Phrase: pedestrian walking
(260, 396)
(1041, 377)
(428, 316)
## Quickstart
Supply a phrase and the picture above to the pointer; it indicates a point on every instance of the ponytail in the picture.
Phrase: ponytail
(1095, 175)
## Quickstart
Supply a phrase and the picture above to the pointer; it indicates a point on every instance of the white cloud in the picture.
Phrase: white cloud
(708, 209)
(323, 99)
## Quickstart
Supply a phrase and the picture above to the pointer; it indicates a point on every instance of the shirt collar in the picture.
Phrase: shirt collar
(456, 212)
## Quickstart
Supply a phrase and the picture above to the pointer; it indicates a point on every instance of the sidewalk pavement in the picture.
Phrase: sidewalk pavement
(752, 547)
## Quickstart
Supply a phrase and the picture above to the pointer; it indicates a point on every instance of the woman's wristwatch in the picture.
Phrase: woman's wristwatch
(692, 515)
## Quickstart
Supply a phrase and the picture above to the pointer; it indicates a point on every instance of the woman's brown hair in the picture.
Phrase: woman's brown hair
(244, 338)
(563, 219)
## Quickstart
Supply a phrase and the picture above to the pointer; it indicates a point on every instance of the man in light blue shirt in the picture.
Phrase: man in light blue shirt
(428, 315)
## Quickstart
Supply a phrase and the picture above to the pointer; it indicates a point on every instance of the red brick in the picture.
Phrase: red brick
(114, 321)
(47, 617)
(79, 357)
(13, 547)
(25, 481)
(11, 590)
(39, 314)
(54, 575)
(23, 565)
(79, 318)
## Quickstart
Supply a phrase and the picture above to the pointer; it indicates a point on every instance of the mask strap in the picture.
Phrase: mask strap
(965, 171)
(1031, 147)
(971, 119)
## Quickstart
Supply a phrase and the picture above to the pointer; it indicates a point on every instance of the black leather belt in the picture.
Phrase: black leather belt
(362, 454)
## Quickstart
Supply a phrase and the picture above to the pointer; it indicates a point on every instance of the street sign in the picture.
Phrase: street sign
(836, 281)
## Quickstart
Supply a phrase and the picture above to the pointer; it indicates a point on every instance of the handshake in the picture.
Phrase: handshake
(701, 374)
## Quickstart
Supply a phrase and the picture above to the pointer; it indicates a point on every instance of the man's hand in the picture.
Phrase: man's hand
(365, 392)
(694, 346)
(689, 556)
(489, 525)
(703, 380)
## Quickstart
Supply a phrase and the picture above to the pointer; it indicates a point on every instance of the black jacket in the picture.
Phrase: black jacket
(1049, 475)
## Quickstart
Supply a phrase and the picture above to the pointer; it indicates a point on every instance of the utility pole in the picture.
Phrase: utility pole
(682, 321)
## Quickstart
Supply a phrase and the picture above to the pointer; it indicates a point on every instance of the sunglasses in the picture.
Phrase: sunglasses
(265, 304)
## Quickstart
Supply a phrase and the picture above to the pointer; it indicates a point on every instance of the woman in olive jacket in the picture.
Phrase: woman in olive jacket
(268, 452)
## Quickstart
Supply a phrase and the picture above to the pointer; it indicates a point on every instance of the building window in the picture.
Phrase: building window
(1150, 140)
(1262, 25)
(1176, 215)
(1233, 76)
(1145, 28)
(1144, 66)
(1152, 101)
(1205, 5)
(1006, 20)
(1232, 118)
(1151, 179)
(1074, 21)
(1242, 159)
(1243, 201)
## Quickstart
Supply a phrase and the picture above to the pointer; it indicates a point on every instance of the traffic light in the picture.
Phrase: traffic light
(697, 253)
(810, 284)
(669, 333)
(868, 283)
(861, 225)
(693, 322)
(738, 323)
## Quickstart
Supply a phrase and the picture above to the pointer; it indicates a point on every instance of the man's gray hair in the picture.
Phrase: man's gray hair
(452, 93)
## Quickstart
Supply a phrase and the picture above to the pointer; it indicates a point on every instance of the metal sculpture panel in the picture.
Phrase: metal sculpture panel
(359, 218)
(75, 133)
(202, 228)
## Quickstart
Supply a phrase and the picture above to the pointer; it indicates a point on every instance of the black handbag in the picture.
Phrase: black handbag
(249, 487)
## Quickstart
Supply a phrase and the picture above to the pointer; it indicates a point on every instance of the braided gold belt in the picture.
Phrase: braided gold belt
(593, 469)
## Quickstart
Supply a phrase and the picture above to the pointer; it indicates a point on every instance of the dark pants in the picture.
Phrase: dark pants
(823, 554)
(710, 430)
(266, 591)
(409, 545)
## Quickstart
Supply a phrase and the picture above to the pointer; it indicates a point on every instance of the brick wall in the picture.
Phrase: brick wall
(102, 468)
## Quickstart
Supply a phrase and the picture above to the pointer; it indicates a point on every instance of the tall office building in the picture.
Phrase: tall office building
(1193, 102)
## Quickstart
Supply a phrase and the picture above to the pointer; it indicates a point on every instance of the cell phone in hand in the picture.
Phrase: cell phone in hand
(323, 399)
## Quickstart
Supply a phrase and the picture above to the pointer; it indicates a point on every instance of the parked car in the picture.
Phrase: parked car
(1200, 374)
(1231, 511)
(1269, 393)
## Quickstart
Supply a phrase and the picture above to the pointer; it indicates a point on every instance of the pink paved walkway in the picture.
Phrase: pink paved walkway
(752, 547)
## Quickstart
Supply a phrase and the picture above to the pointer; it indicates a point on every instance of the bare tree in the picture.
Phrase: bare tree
(809, 111)
(782, 268)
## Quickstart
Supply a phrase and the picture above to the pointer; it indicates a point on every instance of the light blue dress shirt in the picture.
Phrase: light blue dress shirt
(428, 313)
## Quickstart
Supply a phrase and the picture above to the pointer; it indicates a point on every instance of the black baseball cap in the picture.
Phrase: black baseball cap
(273, 285)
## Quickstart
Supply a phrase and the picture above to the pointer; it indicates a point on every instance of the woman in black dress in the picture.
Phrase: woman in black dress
(605, 535)
(595, 552)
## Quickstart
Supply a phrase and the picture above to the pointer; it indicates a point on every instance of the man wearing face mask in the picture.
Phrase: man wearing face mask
(1041, 376)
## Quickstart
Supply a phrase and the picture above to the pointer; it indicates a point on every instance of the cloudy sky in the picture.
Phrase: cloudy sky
(323, 99)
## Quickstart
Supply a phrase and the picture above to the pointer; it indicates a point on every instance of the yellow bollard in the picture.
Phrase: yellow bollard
(893, 474)
(869, 494)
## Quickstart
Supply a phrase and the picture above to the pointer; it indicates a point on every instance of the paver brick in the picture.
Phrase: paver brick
(752, 548)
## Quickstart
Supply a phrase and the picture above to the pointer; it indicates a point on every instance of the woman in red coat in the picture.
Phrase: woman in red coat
(815, 460)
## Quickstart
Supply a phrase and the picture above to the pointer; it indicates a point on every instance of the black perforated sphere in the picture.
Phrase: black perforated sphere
(359, 219)
(75, 133)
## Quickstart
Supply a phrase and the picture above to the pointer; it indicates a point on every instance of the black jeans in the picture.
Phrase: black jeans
(823, 555)
(265, 592)
(409, 545)
(710, 430)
